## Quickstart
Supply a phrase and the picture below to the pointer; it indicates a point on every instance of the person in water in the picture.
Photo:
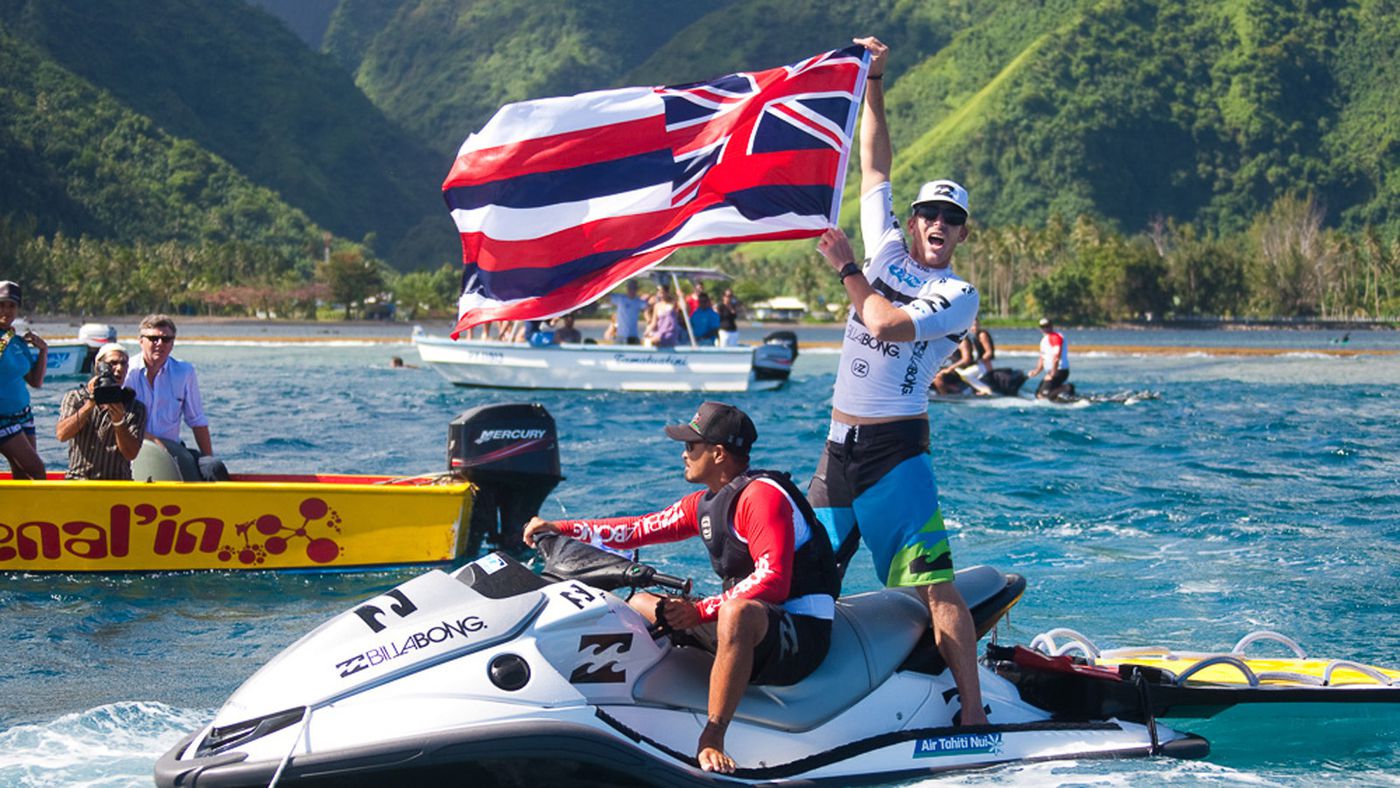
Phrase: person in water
(875, 479)
(772, 623)
(1054, 361)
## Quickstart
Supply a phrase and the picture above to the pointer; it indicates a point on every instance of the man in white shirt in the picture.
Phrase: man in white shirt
(875, 481)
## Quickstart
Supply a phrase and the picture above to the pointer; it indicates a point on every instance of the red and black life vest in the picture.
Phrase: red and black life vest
(813, 565)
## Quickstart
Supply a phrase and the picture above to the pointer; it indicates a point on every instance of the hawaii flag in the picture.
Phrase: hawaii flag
(560, 200)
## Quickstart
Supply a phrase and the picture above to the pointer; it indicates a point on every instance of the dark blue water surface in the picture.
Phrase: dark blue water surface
(1253, 492)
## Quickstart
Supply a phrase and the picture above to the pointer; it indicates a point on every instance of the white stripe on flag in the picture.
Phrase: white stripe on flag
(525, 120)
(524, 224)
(725, 222)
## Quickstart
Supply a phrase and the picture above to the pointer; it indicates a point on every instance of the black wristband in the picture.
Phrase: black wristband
(849, 269)
(875, 77)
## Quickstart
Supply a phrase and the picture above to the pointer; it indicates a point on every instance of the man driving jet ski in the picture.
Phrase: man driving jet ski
(772, 623)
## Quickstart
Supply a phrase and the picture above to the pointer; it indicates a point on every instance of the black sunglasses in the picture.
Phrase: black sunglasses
(690, 445)
(156, 339)
(952, 215)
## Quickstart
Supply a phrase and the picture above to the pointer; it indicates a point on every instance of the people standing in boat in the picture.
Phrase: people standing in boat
(704, 321)
(169, 388)
(664, 326)
(102, 439)
(692, 300)
(627, 307)
(875, 479)
(564, 330)
(772, 623)
(728, 310)
(1054, 360)
(23, 362)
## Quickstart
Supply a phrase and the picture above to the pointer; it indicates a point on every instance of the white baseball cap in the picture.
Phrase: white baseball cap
(942, 191)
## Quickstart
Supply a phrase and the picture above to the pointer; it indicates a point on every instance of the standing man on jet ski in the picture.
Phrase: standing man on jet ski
(772, 623)
(909, 311)
(1054, 359)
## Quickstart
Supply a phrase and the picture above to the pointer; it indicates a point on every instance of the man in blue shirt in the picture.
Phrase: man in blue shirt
(169, 389)
(704, 321)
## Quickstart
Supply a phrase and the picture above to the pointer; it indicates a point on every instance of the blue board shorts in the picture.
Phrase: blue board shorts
(875, 483)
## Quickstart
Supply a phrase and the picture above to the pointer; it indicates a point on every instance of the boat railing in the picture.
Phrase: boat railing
(1047, 643)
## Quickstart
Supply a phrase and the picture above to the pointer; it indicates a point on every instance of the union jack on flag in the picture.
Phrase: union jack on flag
(559, 200)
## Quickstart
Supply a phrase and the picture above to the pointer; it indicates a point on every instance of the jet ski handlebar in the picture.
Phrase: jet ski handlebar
(568, 558)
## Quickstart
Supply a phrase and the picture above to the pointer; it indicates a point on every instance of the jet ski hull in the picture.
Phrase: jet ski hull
(511, 678)
(609, 753)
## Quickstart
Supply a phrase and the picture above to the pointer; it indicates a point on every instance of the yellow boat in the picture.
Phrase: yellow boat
(308, 521)
(502, 459)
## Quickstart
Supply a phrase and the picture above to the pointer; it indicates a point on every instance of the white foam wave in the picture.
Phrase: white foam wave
(112, 745)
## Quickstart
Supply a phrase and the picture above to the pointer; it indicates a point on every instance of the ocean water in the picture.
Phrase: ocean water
(1241, 493)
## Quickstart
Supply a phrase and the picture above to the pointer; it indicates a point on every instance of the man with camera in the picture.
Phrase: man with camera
(102, 422)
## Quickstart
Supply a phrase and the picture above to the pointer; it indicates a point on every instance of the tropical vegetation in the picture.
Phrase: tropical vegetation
(1128, 159)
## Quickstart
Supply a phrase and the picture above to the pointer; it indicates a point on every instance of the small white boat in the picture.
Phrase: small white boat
(74, 356)
(513, 365)
(516, 365)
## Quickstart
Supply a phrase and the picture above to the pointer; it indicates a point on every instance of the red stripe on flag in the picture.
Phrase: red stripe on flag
(558, 152)
(582, 291)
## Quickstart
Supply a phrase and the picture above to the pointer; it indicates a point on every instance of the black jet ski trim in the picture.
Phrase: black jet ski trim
(1076, 679)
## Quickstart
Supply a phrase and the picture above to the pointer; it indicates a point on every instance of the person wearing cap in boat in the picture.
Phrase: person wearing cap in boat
(21, 367)
(874, 481)
(104, 438)
(1054, 361)
(772, 623)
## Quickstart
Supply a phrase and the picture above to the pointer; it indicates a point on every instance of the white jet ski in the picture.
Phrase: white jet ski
(493, 675)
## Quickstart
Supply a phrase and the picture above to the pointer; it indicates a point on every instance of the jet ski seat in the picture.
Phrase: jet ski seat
(871, 635)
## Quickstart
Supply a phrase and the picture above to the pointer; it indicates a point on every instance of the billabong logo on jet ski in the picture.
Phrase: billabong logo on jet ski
(442, 632)
(959, 744)
(598, 669)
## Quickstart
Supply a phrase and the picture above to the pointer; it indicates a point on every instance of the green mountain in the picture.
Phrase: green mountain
(442, 67)
(77, 160)
(1129, 110)
(189, 121)
(233, 81)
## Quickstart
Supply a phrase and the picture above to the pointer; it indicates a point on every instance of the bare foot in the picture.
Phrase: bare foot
(712, 760)
(712, 757)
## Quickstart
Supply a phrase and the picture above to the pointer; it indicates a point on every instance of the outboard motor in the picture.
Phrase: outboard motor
(511, 453)
(94, 335)
(773, 359)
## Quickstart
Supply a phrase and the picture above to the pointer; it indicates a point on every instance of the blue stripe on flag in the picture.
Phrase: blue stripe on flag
(589, 181)
(761, 202)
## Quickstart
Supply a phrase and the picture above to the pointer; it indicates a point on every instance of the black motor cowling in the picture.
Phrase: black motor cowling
(511, 453)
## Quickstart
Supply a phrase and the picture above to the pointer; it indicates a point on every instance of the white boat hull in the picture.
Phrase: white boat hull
(605, 367)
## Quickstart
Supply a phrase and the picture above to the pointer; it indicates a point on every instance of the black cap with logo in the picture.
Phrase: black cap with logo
(9, 291)
(720, 424)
